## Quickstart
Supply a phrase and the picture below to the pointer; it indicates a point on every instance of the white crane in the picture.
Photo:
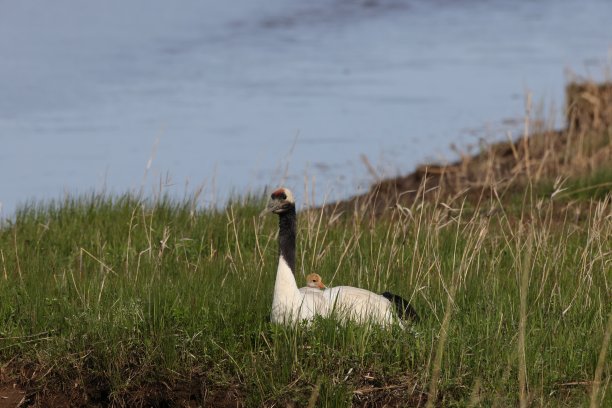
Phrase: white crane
(291, 304)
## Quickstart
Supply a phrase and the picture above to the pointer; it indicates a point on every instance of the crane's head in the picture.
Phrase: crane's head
(281, 200)
(314, 280)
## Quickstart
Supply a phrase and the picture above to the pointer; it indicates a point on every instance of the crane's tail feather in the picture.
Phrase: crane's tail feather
(404, 309)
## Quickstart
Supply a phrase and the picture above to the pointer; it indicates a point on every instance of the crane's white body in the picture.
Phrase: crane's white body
(291, 304)
(359, 305)
(310, 289)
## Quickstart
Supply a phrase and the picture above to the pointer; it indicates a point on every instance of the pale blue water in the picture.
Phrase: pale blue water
(239, 94)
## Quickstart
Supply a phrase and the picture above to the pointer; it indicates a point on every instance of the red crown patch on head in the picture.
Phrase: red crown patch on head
(280, 193)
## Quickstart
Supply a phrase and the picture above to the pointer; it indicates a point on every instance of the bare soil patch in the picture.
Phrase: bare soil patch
(11, 396)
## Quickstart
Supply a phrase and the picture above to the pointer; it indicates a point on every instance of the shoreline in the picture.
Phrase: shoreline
(583, 147)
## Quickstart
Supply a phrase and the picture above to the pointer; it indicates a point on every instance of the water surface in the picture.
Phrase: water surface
(245, 94)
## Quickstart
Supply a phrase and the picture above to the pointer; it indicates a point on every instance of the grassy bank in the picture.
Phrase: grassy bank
(118, 300)
(506, 256)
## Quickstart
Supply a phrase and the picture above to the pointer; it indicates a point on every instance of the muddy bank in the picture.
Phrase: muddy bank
(581, 148)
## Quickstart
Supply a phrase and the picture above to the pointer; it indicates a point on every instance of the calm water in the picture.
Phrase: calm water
(238, 95)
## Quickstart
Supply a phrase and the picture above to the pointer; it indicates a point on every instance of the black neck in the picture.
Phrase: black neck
(287, 228)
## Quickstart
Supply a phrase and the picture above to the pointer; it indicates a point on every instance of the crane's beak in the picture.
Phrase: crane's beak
(271, 207)
(320, 285)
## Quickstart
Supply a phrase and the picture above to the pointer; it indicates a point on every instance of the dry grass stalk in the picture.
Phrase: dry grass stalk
(601, 362)
(437, 364)
(524, 288)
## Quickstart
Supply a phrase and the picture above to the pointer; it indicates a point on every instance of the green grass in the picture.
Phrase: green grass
(116, 300)
(597, 185)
